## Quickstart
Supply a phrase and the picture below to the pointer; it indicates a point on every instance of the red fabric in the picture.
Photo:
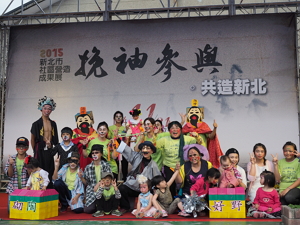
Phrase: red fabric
(83, 162)
(213, 145)
(199, 187)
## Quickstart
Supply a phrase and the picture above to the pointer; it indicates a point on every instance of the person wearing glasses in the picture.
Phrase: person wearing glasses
(68, 183)
(92, 175)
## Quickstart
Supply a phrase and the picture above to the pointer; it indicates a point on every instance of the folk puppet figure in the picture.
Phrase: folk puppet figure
(196, 127)
(84, 133)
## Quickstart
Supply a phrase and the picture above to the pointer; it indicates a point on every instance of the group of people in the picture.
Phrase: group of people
(86, 165)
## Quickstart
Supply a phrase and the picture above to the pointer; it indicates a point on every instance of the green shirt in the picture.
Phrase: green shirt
(19, 165)
(289, 173)
(112, 162)
(168, 149)
(98, 172)
(114, 127)
(70, 179)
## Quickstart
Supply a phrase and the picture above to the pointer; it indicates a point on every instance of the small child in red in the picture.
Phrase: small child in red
(203, 184)
(266, 203)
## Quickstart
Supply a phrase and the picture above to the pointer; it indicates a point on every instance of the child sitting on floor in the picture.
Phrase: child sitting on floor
(38, 179)
(162, 199)
(108, 196)
(144, 206)
(266, 203)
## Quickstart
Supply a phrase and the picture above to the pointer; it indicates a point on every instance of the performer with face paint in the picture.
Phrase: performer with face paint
(65, 147)
(44, 135)
(150, 135)
(193, 169)
(142, 164)
(170, 150)
(92, 175)
(68, 183)
(84, 133)
(197, 128)
(102, 130)
(118, 121)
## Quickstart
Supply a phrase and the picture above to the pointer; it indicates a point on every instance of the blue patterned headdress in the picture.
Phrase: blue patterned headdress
(46, 101)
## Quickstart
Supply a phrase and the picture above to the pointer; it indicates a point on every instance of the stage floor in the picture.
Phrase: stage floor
(70, 218)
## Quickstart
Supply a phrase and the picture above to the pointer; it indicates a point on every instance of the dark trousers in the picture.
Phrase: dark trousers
(109, 205)
(168, 174)
(124, 168)
(125, 193)
(64, 194)
(292, 197)
(63, 191)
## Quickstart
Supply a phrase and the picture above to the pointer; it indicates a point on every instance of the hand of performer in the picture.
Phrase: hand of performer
(252, 158)
(48, 143)
(297, 154)
(183, 118)
(215, 124)
(74, 201)
(114, 183)
(80, 173)
(256, 206)
(11, 161)
(101, 184)
(56, 161)
(275, 159)
(85, 141)
(284, 192)
(44, 188)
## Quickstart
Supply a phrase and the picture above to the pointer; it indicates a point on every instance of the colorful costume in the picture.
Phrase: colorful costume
(41, 153)
(84, 121)
(195, 124)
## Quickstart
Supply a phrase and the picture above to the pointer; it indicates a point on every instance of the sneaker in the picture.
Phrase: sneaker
(116, 213)
(157, 214)
(164, 214)
(98, 214)
(140, 215)
(183, 213)
(63, 209)
(123, 211)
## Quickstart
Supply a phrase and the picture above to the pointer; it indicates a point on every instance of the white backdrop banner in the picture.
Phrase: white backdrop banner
(242, 69)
